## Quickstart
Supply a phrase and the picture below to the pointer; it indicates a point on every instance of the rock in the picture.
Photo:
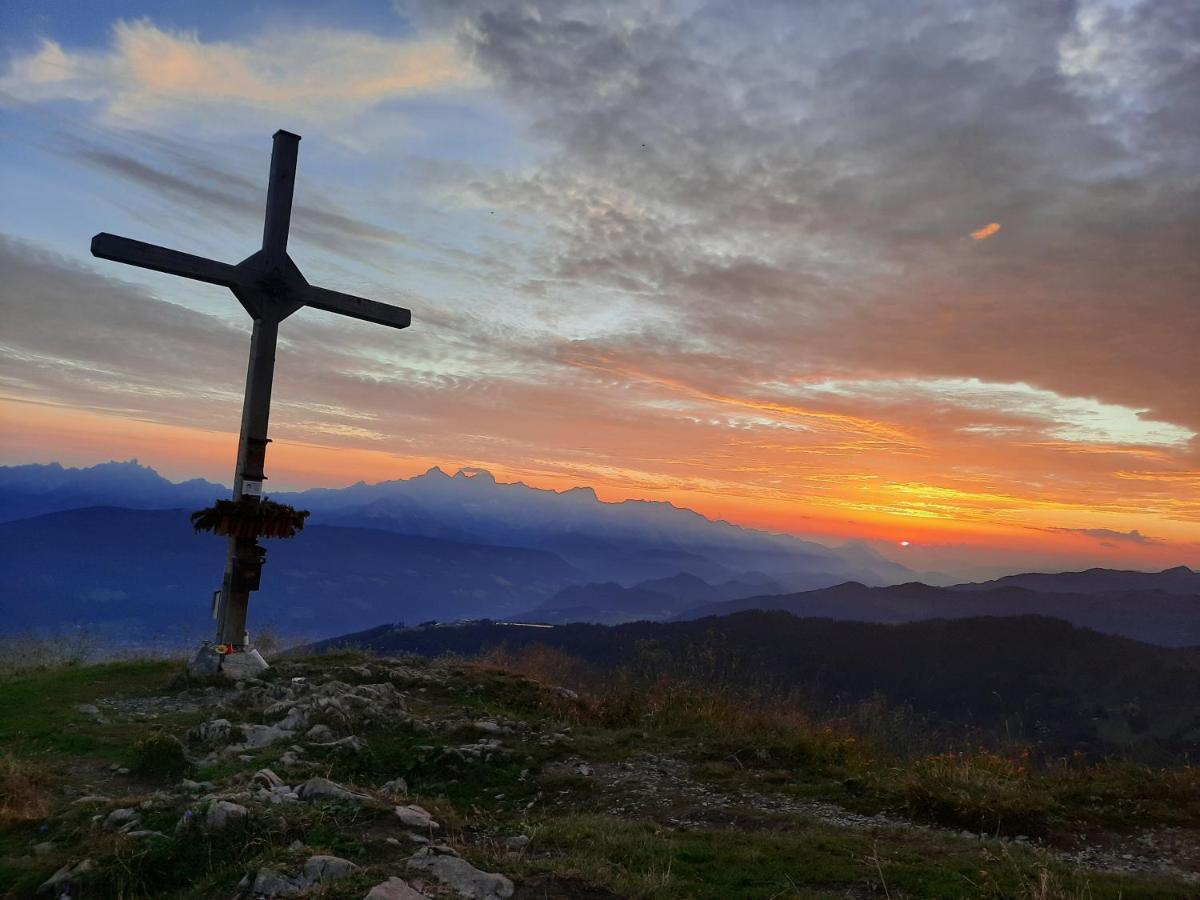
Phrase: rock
(120, 818)
(320, 733)
(414, 816)
(461, 876)
(517, 841)
(485, 726)
(213, 733)
(584, 769)
(269, 883)
(395, 786)
(143, 834)
(296, 845)
(92, 712)
(327, 868)
(90, 798)
(324, 789)
(296, 718)
(347, 746)
(222, 814)
(65, 876)
(267, 779)
(257, 736)
(43, 849)
(195, 787)
(394, 889)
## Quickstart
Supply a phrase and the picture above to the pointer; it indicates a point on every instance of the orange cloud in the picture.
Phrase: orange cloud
(149, 72)
(986, 231)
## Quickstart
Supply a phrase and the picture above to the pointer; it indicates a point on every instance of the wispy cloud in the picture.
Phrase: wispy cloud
(1107, 534)
(148, 75)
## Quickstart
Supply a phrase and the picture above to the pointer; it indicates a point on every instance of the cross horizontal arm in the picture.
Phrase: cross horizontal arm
(357, 307)
(160, 259)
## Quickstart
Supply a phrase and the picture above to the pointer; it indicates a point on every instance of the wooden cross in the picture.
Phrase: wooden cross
(271, 288)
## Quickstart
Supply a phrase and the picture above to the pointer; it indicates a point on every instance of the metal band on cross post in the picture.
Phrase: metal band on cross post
(270, 288)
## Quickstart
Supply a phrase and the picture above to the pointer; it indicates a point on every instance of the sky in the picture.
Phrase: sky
(919, 274)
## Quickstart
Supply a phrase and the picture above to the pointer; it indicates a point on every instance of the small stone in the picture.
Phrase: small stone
(65, 875)
(517, 841)
(214, 732)
(327, 868)
(319, 733)
(119, 818)
(461, 876)
(395, 786)
(414, 816)
(324, 789)
(43, 849)
(296, 845)
(142, 834)
(222, 814)
(585, 770)
(394, 889)
(267, 779)
(122, 771)
(269, 883)
(258, 736)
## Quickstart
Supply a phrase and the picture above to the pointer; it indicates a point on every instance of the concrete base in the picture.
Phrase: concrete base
(246, 663)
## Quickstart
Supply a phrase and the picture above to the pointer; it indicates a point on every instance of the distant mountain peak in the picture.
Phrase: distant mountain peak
(483, 476)
(582, 491)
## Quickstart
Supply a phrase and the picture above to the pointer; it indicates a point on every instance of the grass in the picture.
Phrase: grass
(39, 715)
(794, 859)
(732, 741)
(766, 741)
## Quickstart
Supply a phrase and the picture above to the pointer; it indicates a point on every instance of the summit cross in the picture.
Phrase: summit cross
(271, 288)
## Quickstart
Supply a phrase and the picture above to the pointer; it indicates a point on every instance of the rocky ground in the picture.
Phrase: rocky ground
(402, 779)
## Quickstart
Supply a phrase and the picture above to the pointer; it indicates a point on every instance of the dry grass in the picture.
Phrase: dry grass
(24, 791)
(871, 748)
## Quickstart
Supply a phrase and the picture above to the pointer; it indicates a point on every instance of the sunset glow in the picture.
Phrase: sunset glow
(786, 311)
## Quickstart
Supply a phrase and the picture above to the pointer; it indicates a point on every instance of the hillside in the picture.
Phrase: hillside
(1179, 580)
(352, 777)
(1030, 678)
(1146, 614)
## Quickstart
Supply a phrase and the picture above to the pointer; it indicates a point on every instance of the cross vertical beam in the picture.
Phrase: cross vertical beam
(244, 558)
(270, 288)
(285, 148)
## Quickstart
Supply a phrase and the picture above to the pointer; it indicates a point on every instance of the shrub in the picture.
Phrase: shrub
(24, 791)
(162, 755)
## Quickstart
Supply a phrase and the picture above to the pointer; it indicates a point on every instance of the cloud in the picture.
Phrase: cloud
(985, 232)
(148, 75)
(1107, 536)
(790, 187)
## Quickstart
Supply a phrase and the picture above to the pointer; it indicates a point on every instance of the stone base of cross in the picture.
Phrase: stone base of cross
(270, 288)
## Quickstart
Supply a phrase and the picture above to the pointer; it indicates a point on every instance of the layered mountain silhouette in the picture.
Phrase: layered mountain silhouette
(144, 574)
(110, 547)
(657, 599)
(1161, 612)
